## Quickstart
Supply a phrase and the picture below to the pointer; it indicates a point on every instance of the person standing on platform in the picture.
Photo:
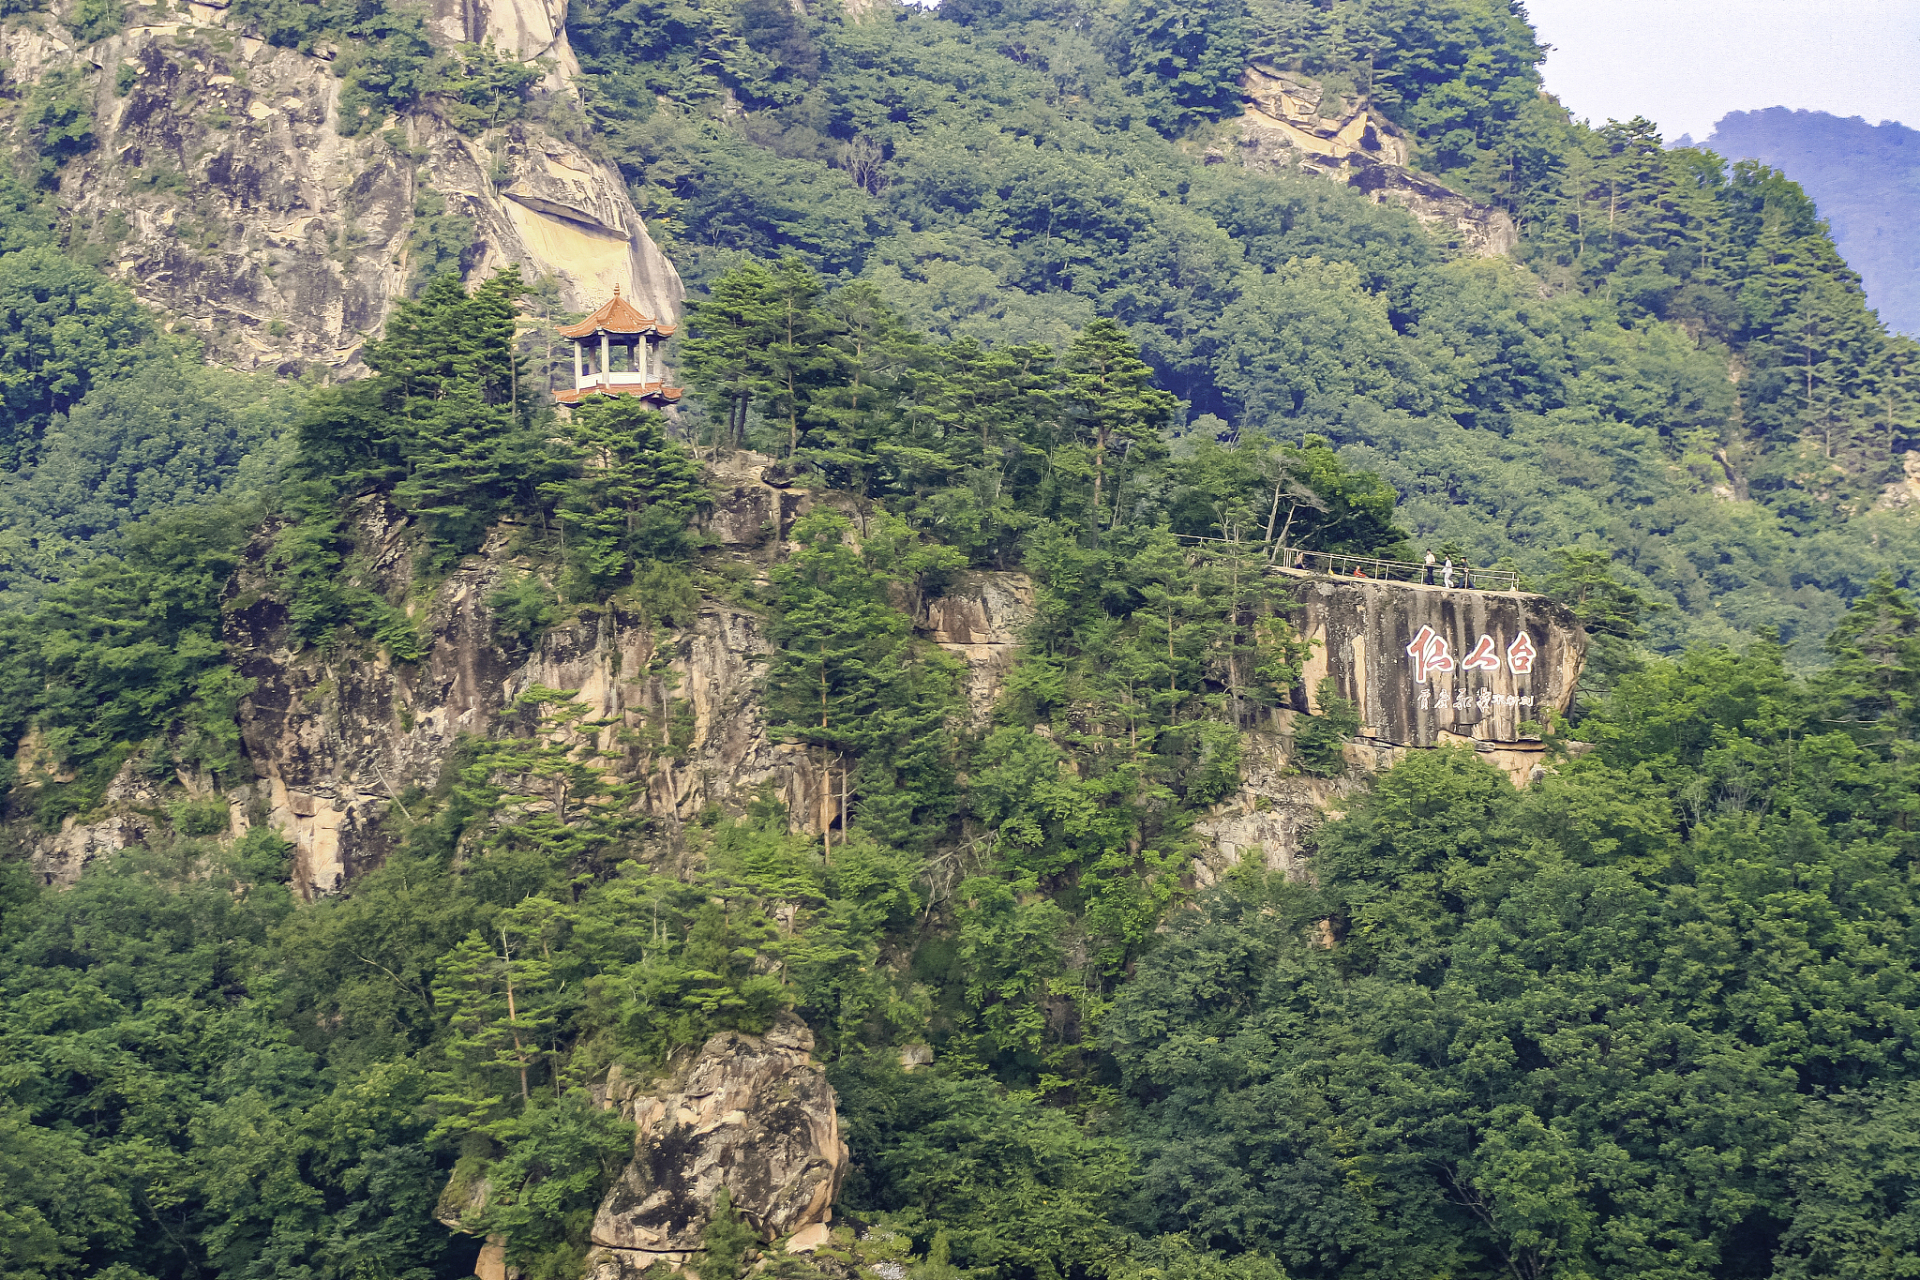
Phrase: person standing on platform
(1427, 579)
(1446, 573)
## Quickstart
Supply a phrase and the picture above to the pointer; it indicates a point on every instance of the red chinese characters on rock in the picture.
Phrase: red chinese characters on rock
(1485, 657)
(1520, 654)
(1429, 653)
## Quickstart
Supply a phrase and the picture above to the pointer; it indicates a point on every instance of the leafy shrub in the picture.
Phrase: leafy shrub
(94, 20)
(58, 120)
(203, 817)
(523, 607)
(262, 855)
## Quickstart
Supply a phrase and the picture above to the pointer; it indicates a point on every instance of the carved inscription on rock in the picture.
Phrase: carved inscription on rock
(1420, 661)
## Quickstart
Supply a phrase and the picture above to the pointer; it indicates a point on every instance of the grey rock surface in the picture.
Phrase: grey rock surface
(222, 191)
(754, 1114)
(1290, 123)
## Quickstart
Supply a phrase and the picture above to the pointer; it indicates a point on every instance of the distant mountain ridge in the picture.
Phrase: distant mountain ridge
(1866, 180)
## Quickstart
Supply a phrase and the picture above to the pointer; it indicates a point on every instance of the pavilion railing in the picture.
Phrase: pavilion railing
(1401, 571)
(1343, 566)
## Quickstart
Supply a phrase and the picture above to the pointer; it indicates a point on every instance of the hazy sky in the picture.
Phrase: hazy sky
(1686, 63)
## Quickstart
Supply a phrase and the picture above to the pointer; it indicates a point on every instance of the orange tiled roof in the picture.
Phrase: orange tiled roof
(651, 391)
(616, 316)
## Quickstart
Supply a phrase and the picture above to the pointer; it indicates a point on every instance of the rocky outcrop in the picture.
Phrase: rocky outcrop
(1273, 814)
(58, 859)
(979, 618)
(1903, 494)
(1291, 123)
(753, 1114)
(1424, 665)
(337, 740)
(221, 189)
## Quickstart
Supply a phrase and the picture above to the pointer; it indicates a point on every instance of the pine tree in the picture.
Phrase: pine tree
(848, 680)
(1873, 686)
(800, 359)
(629, 498)
(453, 418)
(854, 425)
(1110, 394)
(761, 338)
(492, 989)
(727, 329)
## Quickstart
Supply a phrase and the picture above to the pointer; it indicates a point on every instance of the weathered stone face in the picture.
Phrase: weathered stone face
(333, 742)
(222, 191)
(1291, 125)
(1424, 662)
(751, 1113)
(979, 619)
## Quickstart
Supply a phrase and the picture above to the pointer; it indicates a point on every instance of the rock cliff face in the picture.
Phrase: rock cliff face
(1426, 664)
(1424, 667)
(979, 619)
(1291, 123)
(221, 190)
(336, 742)
(1904, 494)
(750, 1113)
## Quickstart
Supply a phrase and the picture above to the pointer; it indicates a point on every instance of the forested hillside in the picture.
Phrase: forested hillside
(975, 293)
(1684, 371)
(1865, 178)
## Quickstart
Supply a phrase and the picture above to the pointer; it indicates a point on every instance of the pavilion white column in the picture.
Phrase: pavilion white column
(605, 368)
(578, 362)
(645, 352)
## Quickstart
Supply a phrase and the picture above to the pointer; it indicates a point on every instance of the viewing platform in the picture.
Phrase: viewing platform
(615, 336)
(1344, 566)
(1340, 565)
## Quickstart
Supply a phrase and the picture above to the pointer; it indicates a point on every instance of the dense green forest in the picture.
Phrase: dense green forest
(972, 278)
(1675, 333)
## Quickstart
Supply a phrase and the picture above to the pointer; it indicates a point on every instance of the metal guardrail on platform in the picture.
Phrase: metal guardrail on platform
(1340, 566)
(1345, 566)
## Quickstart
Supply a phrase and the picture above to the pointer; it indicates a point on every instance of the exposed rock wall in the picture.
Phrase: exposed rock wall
(1488, 661)
(336, 741)
(751, 1113)
(1361, 632)
(221, 189)
(979, 618)
(1290, 123)
(1904, 493)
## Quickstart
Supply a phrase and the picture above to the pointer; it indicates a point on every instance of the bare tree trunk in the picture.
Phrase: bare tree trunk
(513, 1016)
(1099, 477)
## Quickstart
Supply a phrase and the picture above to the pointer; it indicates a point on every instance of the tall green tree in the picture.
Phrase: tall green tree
(1110, 396)
(630, 497)
(849, 680)
(1185, 61)
(65, 328)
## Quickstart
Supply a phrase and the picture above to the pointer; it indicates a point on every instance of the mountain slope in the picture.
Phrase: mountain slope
(424, 812)
(1866, 180)
(252, 190)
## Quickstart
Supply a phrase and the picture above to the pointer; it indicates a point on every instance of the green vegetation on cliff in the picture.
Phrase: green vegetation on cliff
(1679, 367)
(973, 279)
